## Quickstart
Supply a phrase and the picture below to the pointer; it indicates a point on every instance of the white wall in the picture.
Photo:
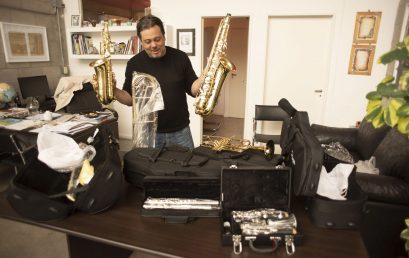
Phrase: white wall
(345, 99)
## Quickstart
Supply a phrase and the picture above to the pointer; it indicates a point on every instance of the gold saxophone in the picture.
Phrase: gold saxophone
(215, 71)
(220, 143)
(103, 76)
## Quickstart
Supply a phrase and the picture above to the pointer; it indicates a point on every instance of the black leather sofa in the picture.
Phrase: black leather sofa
(388, 193)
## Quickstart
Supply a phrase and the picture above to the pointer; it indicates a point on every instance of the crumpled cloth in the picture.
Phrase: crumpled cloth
(334, 184)
(61, 152)
(367, 166)
(66, 88)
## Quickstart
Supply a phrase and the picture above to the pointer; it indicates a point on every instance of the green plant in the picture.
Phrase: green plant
(405, 235)
(389, 103)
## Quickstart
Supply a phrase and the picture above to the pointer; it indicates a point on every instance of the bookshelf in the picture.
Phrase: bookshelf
(81, 38)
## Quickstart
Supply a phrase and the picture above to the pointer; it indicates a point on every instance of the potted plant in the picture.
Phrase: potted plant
(389, 103)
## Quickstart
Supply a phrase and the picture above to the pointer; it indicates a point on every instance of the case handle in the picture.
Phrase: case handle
(275, 241)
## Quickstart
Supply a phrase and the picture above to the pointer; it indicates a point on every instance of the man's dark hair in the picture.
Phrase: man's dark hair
(147, 22)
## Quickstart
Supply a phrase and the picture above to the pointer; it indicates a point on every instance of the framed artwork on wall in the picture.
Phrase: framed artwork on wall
(361, 59)
(24, 43)
(75, 20)
(186, 41)
(367, 27)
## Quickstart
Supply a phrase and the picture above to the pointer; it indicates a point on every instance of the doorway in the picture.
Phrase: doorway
(228, 115)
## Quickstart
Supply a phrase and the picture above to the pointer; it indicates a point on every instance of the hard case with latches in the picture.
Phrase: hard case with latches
(258, 189)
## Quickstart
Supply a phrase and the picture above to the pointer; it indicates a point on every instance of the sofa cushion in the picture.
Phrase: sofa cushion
(381, 188)
(392, 155)
(368, 138)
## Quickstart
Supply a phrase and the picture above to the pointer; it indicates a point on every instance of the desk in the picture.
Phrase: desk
(122, 228)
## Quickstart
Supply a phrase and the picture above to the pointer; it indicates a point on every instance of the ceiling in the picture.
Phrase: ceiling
(136, 5)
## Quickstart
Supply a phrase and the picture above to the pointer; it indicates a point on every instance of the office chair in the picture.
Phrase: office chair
(272, 114)
(10, 152)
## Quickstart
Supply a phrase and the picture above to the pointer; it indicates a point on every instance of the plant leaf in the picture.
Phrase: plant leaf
(403, 110)
(404, 80)
(390, 117)
(372, 104)
(378, 121)
(394, 54)
(403, 127)
(373, 113)
(374, 95)
(388, 78)
(387, 90)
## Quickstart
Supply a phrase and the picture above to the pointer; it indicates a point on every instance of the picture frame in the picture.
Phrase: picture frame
(361, 59)
(367, 27)
(24, 43)
(186, 41)
(75, 20)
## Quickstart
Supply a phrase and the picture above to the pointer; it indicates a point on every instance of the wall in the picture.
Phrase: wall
(345, 100)
(38, 13)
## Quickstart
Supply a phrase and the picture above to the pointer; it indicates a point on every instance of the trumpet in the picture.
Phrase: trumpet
(219, 143)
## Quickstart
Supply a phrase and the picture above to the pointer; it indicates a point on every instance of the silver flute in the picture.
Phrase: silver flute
(181, 203)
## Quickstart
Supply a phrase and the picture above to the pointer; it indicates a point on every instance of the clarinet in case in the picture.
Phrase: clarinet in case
(256, 209)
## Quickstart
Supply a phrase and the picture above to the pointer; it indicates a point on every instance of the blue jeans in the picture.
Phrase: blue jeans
(182, 137)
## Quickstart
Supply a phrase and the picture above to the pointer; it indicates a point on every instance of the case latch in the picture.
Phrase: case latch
(237, 247)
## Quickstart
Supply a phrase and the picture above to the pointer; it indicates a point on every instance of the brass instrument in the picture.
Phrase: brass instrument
(219, 143)
(216, 70)
(103, 76)
(146, 100)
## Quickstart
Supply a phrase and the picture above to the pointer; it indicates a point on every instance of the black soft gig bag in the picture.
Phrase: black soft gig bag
(39, 193)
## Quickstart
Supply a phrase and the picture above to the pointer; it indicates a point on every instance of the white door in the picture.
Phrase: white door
(236, 82)
(298, 62)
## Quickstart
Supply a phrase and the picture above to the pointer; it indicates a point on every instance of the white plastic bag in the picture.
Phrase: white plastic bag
(61, 152)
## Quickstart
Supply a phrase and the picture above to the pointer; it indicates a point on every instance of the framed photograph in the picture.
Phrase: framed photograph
(75, 20)
(367, 27)
(24, 43)
(361, 59)
(186, 41)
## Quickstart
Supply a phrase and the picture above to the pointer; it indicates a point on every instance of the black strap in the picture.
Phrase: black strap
(154, 156)
(71, 191)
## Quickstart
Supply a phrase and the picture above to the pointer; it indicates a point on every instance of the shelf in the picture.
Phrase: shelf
(131, 28)
(113, 57)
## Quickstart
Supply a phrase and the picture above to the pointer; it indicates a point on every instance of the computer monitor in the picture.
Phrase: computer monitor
(37, 86)
(34, 86)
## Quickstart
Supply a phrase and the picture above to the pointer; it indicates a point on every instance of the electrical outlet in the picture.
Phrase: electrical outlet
(65, 70)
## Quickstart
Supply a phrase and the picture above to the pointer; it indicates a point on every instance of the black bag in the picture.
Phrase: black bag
(38, 192)
(306, 156)
(84, 101)
(302, 150)
(176, 160)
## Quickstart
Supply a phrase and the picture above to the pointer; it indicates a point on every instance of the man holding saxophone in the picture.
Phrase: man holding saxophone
(174, 72)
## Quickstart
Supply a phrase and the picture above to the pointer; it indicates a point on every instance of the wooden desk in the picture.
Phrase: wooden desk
(122, 228)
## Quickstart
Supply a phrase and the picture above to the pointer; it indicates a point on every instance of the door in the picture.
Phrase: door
(236, 81)
(298, 62)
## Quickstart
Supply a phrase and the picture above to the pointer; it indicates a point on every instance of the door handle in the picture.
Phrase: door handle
(318, 91)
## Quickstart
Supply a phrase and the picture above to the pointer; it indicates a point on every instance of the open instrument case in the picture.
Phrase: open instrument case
(252, 189)
(182, 187)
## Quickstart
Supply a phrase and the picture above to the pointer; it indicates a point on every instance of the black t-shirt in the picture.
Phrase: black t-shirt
(175, 74)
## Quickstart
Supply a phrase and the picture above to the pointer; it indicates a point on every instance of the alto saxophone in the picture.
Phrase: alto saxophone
(216, 70)
(103, 76)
